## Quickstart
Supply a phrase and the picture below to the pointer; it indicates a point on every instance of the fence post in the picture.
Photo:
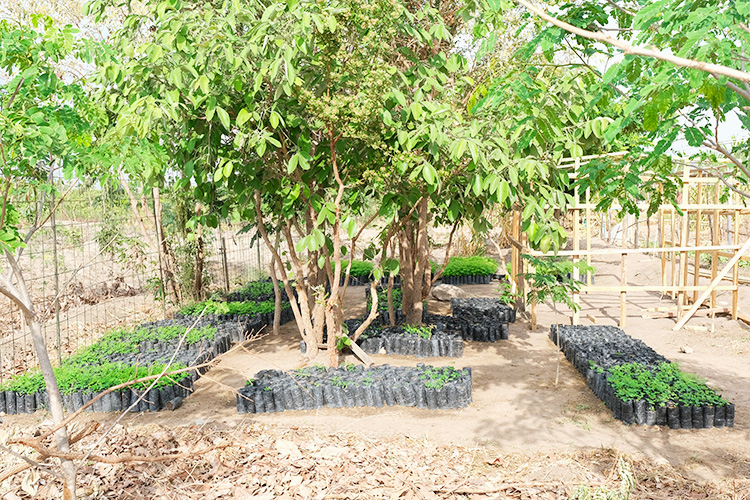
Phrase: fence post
(162, 285)
(57, 278)
(260, 266)
(224, 264)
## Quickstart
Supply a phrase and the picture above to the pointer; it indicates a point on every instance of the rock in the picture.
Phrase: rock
(444, 293)
(686, 350)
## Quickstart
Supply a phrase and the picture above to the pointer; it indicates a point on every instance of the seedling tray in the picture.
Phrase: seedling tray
(638, 384)
(351, 386)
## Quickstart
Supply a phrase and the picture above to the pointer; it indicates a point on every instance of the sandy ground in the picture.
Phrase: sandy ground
(517, 407)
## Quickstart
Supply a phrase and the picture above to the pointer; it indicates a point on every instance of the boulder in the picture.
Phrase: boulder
(444, 293)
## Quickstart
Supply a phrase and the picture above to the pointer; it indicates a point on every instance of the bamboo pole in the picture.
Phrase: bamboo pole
(576, 247)
(714, 241)
(713, 285)
(697, 256)
(623, 276)
(736, 271)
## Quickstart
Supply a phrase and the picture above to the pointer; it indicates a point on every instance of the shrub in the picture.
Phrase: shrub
(124, 340)
(470, 266)
(360, 269)
(246, 308)
(257, 289)
(383, 300)
(95, 378)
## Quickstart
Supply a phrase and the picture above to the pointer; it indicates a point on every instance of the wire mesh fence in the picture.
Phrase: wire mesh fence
(84, 281)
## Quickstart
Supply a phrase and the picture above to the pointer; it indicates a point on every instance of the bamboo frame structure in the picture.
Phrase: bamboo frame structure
(702, 202)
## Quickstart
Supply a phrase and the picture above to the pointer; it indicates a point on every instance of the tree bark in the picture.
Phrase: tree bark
(276, 290)
(198, 291)
(415, 263)
(19, 295)
(164, 247)
(300, 307)
(55, 401)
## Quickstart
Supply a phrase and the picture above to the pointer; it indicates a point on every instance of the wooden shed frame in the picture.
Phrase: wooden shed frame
(697, 231)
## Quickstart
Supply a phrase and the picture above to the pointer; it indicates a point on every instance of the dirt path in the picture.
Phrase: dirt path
(517, 407)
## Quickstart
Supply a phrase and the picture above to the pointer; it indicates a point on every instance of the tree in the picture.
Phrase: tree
(47, 127)
(680, 68)
(277, 112)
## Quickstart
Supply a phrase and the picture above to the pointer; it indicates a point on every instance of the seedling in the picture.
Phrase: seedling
(424, 331)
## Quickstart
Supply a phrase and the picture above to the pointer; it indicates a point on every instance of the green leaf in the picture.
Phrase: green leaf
(429, 173)
(292, 165)
(504, 192)
(223, 117)
(203, 84)
(694, 136)
(476, 185)
(242, 117)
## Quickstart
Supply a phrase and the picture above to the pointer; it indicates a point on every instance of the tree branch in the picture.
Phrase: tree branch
(722, 178)
(621, 9)
(724, 151)
(743, 92)
(639, 51)
(126, 457)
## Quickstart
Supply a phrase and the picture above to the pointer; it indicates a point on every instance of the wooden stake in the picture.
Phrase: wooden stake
(589, 277)
(673, 255)
(714, 240)
(736, 270)
(576, 247)
(662, 240)
(623, 276)
(681, 298)
(713, 285)
(697, 259)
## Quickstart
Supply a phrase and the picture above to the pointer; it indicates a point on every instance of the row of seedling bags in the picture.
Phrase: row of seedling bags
(351, 386)
(123, 355)
(639, 385)
(165, 395)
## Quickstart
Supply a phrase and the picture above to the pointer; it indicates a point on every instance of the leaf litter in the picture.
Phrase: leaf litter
(265, 462)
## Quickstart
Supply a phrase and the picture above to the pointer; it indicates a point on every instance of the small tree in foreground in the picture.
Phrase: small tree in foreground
(46, 129)
(552, 279)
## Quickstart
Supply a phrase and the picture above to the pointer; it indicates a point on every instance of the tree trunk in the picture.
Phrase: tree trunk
(139, 208)
(276, 294)
(19, 295)
(165, 249)
(415, 264)
(137, 214)
(198, 291)
(55, 400)
(389, 292)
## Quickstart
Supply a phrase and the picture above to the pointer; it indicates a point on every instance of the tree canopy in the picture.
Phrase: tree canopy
(680, 70)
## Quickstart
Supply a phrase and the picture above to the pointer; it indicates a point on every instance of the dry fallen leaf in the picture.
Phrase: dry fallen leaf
(288, 448)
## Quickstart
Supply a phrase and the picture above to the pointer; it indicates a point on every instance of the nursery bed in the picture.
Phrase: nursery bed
(351, 386)
(638, 384)
(124, 355)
